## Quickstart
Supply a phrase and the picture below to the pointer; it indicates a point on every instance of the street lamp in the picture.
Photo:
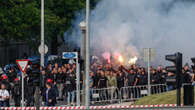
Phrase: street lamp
(82, 26)
(85, 27)
(83, 46)
(83, 57)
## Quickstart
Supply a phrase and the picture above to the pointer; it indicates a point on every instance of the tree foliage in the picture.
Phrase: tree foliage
(20, 19)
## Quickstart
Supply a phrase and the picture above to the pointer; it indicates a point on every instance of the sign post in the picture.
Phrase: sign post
(148, 57)
(22, 64)
(74, 55)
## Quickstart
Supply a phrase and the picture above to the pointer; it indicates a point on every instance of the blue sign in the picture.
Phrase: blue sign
(69, 55)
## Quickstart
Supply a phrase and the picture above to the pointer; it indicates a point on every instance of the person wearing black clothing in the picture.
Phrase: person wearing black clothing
(187, 79)
(120, 82)
(130, 80)
(29, 89)
(12, 75)
(70, 87)
(49, 95)
(103, 84)
(43, 80)
(16, 92)
(60, 83)
(102, 81)
(155, 79)
(95, 80)
(163, 76)
(142, 79)
(54, 79)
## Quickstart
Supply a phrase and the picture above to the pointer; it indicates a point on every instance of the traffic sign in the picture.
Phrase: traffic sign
(151, 54)
(69, 55)
(41, 49)
(22, 64)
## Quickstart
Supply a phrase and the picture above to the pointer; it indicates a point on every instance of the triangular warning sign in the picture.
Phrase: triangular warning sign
(22, 64)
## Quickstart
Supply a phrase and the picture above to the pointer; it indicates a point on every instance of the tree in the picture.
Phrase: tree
(20, 20)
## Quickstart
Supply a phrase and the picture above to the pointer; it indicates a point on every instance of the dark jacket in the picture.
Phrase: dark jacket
(43, 82)
(51, 96)
(70, 83)
(120, 81)
(156, 78)
(142, 79)
(131, 79)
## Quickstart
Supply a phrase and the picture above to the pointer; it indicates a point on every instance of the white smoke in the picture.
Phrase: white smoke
(128, 26)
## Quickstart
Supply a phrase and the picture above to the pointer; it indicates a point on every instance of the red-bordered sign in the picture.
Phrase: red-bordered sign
(22, 64)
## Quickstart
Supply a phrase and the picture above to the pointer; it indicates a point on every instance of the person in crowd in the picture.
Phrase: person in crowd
(155, 79)
(56, 66)
(131, 77)
(91, 85)
(130, 81)
(120, 82)
(102, 80)
(6, 82)
(60, 83)
(112, 84)
(16, 92)
(142, 78)
(189, 73)
(12, 75)
(102, 84)
(49, 69)
(4, 96)
(70, 87)
(43, 81)
(29, 89)
(50, 95)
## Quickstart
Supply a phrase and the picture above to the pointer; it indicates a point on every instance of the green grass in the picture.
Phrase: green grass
(163, 98)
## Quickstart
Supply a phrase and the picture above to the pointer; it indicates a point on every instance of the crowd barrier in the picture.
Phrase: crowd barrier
(114, 95)
(131, 93)
(104, 95)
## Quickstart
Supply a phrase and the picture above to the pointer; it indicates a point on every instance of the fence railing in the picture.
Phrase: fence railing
(109, 95)
(130, 93)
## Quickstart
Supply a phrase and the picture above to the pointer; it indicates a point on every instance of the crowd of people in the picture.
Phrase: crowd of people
(58, 83)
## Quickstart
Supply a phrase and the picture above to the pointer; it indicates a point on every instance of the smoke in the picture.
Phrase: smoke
(128, 26)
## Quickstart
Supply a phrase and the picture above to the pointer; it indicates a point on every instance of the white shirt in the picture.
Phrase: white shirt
(3, 94)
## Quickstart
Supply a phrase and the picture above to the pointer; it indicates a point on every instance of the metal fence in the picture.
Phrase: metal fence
(111, 95)
(131, 93)
(105, 95)
(114, 95)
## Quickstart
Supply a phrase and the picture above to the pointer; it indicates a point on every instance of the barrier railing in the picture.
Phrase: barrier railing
(113, 94)
(109, 95)
(131, 93)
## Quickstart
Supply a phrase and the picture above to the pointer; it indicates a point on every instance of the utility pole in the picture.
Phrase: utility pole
(87, 64)
(83, 57)
(148, 57)
(42, 34)
(42, 52)
(149, 86)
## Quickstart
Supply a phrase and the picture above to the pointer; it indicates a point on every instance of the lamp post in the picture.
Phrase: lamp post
(83, 56)
(42, 33)
(87, 63)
